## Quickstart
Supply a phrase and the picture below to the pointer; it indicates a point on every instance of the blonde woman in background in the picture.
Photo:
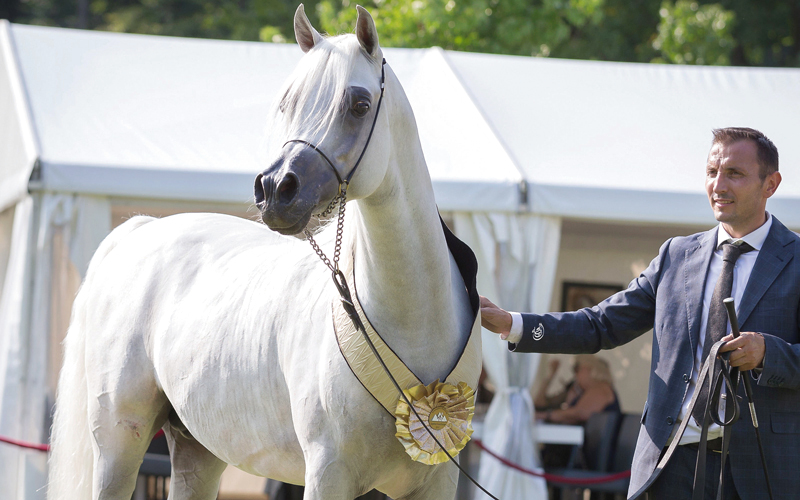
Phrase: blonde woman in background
(590, 392)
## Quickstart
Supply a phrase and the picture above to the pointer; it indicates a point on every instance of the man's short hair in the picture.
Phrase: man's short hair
(767, 152)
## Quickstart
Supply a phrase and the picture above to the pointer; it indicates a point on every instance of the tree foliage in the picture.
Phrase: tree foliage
(693, 34)
(521, 27)
(267, 20)
(739, 32)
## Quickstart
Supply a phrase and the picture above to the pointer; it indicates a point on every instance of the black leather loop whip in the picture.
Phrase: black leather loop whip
(714, 372)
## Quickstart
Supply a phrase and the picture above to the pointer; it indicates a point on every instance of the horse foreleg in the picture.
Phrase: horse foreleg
(195, 470)
(441, 485)
(328, 478)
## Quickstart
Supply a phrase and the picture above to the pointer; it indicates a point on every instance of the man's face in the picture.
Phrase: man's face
(737, 194)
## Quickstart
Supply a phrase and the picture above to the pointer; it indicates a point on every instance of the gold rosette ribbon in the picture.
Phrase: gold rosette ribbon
(447, 411)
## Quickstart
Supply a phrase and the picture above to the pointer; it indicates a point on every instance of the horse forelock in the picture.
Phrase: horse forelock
(312, 97)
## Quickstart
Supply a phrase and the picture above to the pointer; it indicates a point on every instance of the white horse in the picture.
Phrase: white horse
(219, 331)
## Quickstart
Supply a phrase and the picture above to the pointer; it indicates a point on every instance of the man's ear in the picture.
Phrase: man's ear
(771, 183)
(305, 34)
(366, 32)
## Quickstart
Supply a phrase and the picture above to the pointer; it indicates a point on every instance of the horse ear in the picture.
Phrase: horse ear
(366, 32)
(305, 34)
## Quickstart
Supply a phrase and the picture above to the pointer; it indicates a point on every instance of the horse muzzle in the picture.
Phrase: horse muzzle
(289, 191)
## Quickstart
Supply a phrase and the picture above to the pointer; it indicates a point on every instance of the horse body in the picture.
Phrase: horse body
(219, 330)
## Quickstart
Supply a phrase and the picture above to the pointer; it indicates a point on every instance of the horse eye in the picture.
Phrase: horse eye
(360, 108)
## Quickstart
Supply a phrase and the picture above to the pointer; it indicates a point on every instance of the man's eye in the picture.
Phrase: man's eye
(360, 108)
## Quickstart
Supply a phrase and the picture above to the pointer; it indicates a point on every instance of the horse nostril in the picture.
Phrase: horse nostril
(287, 189)
(260, 190)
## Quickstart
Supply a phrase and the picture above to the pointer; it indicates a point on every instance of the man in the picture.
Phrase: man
(675, 296)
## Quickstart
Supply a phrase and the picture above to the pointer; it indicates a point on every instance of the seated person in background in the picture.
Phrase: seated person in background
(590, 392)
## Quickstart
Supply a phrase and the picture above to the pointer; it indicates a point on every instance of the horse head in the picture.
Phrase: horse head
(323, 124)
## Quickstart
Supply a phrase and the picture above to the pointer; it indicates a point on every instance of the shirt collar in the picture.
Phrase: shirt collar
(755, 239)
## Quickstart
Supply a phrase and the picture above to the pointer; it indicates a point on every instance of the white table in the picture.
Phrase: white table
(558, 433)
(545, 433)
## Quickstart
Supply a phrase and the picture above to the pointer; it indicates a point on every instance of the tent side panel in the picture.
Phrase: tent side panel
(18, 150)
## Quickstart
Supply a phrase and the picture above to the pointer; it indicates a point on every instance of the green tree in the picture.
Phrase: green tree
(767, 34)
(452, 24)
(739, 32)
(693, 34)
(625, 33)
(268, 20)
(520, 27)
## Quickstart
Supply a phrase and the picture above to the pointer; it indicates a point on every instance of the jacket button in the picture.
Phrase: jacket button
(685, 377)
(669, 421)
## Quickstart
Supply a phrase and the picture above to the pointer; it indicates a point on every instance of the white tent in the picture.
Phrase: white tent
(94, 124)
(95, 121)
(625, 141)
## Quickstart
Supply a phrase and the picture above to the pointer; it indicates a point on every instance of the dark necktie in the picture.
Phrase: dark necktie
(717, 326)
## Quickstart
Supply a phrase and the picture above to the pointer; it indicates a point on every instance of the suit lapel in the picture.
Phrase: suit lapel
(695, 274)
(772, 258)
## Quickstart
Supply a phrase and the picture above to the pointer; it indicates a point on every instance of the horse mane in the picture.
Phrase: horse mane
(315, 93)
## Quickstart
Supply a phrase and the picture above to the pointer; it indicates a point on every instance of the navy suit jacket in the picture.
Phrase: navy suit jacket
(668, 297)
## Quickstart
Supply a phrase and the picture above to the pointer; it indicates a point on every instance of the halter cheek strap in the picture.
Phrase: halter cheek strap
(343, 183)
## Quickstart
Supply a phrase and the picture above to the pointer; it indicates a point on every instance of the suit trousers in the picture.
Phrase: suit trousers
(677, 479)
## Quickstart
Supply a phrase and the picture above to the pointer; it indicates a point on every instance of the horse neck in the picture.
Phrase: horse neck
(401, 258)
(403, 271)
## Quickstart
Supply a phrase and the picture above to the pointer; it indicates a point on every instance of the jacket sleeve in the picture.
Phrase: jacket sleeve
(781, 363)
(782, 350)
(615, 321)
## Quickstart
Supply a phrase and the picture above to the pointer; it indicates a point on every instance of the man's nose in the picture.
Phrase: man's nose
(719, 184)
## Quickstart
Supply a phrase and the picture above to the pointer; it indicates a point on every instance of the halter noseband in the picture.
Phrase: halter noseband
(343, 183)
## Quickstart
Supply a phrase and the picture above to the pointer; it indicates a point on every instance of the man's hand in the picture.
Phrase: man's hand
(495, 319)
(747, 351)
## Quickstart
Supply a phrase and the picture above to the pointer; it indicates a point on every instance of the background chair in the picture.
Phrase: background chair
(622, 457)
(594, 459)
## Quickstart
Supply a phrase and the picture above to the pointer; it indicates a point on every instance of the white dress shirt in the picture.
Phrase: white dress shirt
(741, 274)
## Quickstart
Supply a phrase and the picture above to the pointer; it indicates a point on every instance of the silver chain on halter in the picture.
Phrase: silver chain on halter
(341, 200)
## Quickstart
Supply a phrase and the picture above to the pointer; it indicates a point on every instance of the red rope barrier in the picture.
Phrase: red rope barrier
(553, 477)
(23, 444)
(43, 447)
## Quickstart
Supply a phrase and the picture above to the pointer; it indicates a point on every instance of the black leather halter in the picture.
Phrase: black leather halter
(343, 183)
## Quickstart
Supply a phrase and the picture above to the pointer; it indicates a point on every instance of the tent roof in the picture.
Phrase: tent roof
(626, 141)
(162, 117)
(159, 117)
